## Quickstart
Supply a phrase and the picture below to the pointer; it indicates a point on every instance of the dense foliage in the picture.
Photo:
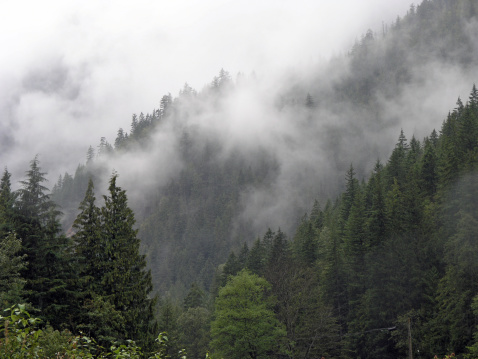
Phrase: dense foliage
(94, 281)
(388, 264)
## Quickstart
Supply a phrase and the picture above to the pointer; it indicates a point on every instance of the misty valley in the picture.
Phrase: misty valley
(330, 213)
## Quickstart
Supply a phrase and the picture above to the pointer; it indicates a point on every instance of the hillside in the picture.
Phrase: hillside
(216, 168)
(338, 201)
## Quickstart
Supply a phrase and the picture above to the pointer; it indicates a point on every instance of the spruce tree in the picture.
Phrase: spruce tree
(7, 201)
(377, 221)
(48, 274)
(125, 281)
(256, 258)
(348, 197)
(88, 241)
(11, 264)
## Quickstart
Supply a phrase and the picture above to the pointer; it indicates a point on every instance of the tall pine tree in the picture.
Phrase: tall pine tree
(48, 274)
(125, 281)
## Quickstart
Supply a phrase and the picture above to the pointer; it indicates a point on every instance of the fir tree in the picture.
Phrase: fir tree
(49, 272)
(125, 281)
(11, 265)
(7, 201)
(88, 241)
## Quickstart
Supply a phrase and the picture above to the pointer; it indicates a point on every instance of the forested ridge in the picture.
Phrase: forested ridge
(381, 261)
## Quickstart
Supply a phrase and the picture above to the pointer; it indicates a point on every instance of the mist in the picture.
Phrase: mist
(72, 73)
(77, 72)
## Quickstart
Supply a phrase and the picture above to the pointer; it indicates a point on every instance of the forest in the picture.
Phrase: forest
(245, 249)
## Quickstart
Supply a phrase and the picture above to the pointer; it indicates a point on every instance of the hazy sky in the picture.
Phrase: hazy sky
(73, 71)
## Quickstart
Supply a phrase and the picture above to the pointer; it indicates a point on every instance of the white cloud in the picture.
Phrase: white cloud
(119, 58)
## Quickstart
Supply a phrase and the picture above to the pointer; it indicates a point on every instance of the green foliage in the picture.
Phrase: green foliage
(244, 323)
(49, 273)
(114, 282)
(195, 297)
(21, 339)
(11, 265)
(194, 325)
(167, 314)
(401, 245)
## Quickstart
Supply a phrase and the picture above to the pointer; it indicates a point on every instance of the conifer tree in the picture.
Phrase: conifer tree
(396, 163)
(376, 222)
(256, 258)
(11, 265)
(317, 216)
(429, 170)
(231, 268)
(195, 297)
(305, 243)
(7, 201)
(348, 197)
(125, 281)
(48, 274)
(88, 243)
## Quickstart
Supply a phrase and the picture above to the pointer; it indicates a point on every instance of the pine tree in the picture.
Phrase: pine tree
(49, 272)
(195, 297)
(88, 241)
(11, 265)
(231, 268)
(348, 197)
(125, 281)
(243, 254)
(317, 216)
(90, 155)
(305, 243)
(256, 258)
(429, 170)
(473, 99)
(396, 168)
(193, 325)
(377, 219)
(7, 201)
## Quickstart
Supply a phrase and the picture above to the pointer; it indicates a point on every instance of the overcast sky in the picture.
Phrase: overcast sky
(73, 71)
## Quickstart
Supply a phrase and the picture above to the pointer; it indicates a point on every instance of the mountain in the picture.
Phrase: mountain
(212, 169)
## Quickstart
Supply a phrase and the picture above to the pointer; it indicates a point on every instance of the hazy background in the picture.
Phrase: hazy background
(71, 72)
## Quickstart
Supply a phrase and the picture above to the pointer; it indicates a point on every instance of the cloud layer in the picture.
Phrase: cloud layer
(73, 72)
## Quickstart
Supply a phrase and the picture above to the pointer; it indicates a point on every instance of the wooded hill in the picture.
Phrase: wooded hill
(377, 250)
(228, 190)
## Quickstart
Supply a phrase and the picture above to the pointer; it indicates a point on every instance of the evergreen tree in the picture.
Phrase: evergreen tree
(256, 258)
(193, 325)
(125, 281)
(348, 197)
(396, 168)
(7, 201)
(120, 139)
(429, 170)
(317, 216)
(104, 148)
(195, 297)
(305, 244)
(377, 218)
(89, 241)
(231, 268)
(11, 265)
(49, 272)
(168, 314)
(90, 155)
(243, 254)
(165, 105)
